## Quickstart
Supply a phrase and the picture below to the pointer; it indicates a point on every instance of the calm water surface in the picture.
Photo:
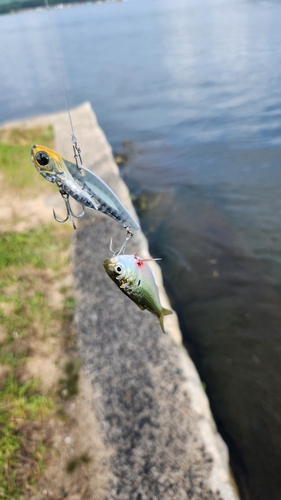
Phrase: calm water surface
(193, 88)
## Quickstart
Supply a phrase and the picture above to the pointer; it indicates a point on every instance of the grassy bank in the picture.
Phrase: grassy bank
(36, 309)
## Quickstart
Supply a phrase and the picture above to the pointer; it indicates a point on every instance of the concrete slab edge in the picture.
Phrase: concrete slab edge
(85, 122)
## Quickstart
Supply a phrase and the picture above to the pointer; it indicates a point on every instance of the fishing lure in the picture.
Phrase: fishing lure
(135, 279)
(81, 184)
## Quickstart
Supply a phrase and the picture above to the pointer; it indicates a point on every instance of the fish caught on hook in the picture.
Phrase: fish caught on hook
(82, 185)
(134, 278)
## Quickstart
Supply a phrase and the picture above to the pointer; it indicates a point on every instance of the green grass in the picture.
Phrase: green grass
(76, 462)
(31, 248)
(19, 403)
(69, 384)
(15, 163)
(21, 249)
(29, 264)
(28, 261)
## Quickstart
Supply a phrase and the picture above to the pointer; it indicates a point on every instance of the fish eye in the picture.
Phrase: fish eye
(42, 158)
(118, 269)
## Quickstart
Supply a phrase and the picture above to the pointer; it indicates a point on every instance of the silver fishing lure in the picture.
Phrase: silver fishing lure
(134, 278)
(82, 185)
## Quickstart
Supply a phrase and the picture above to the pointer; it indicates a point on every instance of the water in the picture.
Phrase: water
(193, 88)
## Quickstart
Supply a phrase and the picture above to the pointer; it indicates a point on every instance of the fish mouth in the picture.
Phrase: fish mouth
(109, 265)
(106, 264)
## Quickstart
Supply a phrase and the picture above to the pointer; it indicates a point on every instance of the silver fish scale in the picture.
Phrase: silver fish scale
(76, 193)
(108, 202)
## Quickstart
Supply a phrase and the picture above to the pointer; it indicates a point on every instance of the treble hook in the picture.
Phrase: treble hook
(129, 235)
(69, 212)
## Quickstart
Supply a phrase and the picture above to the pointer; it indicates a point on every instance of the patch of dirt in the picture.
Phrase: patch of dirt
(76, 468)
(26, 214)
(76, 455)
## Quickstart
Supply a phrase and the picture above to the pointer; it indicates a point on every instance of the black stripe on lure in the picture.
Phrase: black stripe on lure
(82, 185)
(134, 278)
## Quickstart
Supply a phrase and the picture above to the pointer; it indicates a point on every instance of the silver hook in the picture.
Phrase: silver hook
(129, 235)
(69, 212)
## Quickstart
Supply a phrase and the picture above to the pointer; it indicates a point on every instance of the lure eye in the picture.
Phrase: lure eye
(42, 158)
(118, 269)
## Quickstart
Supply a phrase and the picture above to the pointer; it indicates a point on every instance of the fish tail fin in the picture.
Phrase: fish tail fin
(164, 312)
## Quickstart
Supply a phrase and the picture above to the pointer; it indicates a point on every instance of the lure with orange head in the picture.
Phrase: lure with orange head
(81, 184)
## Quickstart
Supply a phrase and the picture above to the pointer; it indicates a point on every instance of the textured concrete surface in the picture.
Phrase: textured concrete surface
(147, 395)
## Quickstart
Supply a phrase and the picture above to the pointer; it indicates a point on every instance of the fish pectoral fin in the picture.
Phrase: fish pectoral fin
(164, 312)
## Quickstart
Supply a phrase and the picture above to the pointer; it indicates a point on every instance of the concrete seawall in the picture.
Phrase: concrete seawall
(153, 413)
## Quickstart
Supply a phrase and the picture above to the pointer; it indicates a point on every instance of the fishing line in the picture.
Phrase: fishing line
(76, 149)
(75, 180)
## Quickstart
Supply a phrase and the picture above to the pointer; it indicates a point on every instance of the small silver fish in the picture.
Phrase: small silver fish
(135, 279)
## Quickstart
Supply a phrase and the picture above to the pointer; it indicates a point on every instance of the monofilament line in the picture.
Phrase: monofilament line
(73, 139)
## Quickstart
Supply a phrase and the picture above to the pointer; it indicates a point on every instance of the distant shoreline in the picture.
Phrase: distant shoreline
(26, 5)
